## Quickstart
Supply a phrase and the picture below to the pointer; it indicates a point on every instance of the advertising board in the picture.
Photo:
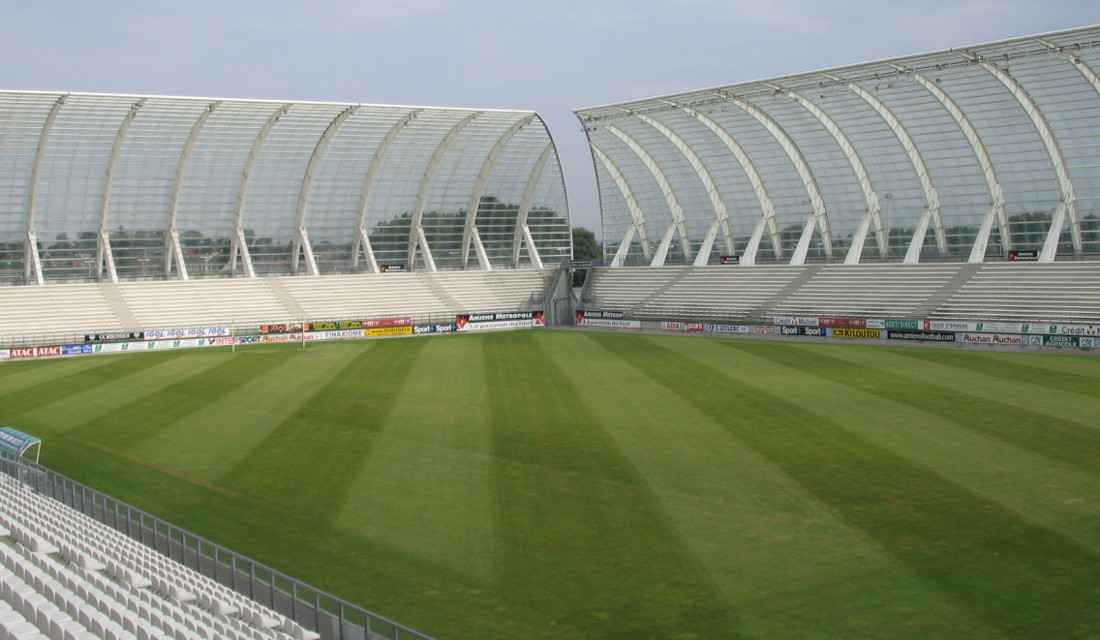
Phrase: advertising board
(848, 323)
(799, 321)
(728, 328)
(991, 338)
(866, 334)
(389, 331)
(923, 336)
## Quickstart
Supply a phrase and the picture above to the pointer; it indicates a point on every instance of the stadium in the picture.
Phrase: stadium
(830, 378)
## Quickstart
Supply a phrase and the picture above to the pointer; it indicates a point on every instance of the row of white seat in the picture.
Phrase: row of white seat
(95, 308)
(75, 558)
(1060, 292)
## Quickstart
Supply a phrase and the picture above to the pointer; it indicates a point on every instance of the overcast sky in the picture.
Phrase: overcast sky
(552, 56)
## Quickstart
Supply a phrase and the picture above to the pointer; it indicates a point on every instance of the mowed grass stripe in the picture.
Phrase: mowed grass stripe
(425, 487)
(200, 443)
(1022, 579)
(1059, 395)
(87, 406)
(308, 462)
(1032, 485)
(27, 373)
(579, 534)
(55, 387)
(141, 418)
(1021, 371)
(780, 556)
(1072, 443)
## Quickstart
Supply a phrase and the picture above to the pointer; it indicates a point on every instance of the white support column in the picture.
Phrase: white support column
(703, 255)
(304, 248)
(239, 246)
(32, 265)
(301, 237)
(32, 260)
(624, 248)
(721, 217)
(532, 251)
(677, 224)
(767, 208)
(422, 242)
(416, 230)
(662, 249)
(104, 256)
(472, 207)
(996, 208)
(931, 213)
(173, 251)
(522, 232)
(479, 249)
(362, 239)
(239, 249)
(820, 217)
(362, 245)
(638, 228)
(873, 213)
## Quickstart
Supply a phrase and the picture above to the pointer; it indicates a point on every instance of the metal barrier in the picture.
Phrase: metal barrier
(333, 618)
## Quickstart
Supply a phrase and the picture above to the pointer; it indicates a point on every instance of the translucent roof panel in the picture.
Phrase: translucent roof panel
(960, 155)
(114, 187)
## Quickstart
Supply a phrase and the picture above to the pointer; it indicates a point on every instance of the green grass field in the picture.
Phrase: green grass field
(575, 485)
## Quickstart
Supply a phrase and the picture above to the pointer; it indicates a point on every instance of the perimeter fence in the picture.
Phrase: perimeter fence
(331, 617)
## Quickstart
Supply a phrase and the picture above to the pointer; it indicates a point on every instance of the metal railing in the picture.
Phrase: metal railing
(331, 617)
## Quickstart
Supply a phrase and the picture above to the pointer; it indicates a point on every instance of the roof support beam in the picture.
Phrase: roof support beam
(32, 260)
(996, 210)
(721, 217)
(637, 216)
(931, 215)
(173, 251)
(301, 237)
(872, 215)
(469, 229)
(1067, 206)
(819, 216)
(362, 240)
(767, 208)
(239, 246)
(417, 238)
(105, 259)
(677, 224)
(523, 232)
(1093, 79)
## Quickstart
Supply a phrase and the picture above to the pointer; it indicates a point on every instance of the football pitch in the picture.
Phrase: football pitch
(578, 485)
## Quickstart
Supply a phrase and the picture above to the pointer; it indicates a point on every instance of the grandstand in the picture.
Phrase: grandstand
(956, 184)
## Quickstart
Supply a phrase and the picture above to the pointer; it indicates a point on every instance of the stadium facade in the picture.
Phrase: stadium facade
(972, 154)
(119, 187)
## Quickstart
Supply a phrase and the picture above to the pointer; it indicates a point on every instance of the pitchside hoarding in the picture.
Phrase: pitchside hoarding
(506, 320)
(614, 319)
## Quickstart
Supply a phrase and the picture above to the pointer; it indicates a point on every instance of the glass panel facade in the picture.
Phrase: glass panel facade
(132, 181)
(1005, 135)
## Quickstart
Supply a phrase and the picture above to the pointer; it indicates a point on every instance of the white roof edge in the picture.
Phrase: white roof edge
(258, 101)
(1048, 34)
